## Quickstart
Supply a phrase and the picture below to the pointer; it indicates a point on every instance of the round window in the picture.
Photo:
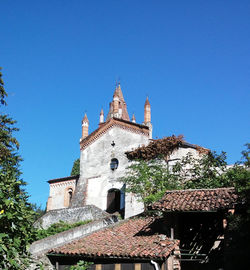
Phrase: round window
(114, 164)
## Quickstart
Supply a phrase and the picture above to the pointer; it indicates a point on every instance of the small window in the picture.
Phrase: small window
(114, 164)
(70, 191)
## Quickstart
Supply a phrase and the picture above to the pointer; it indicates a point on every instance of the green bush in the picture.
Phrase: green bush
(58, 227)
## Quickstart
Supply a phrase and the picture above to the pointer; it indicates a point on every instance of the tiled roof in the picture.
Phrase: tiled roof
(132, 238)
(103, 128)
(197, 200)
(73, 177)
(164, 146)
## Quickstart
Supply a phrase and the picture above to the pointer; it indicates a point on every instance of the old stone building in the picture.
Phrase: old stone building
(104, 158)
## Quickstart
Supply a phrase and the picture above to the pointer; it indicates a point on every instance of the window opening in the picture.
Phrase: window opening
(114, 164)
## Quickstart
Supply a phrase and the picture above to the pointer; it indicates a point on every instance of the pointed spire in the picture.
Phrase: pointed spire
(118, 107)
(119, 92)
(85, 119)
(147, 102)
(147, 117)
(133, 118)
(147, 112)
(85, 126)
(101, 117)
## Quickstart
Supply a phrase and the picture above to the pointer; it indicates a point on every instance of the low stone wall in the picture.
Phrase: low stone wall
(43, 245)
(70, 215)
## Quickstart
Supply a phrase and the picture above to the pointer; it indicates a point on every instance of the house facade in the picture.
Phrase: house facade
(133, 244)
(104, 156)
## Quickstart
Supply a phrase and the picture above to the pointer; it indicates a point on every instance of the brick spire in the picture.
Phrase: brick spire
(133, 118)
(101, 117)
(147, 112)
(118, 107)
(85, 126)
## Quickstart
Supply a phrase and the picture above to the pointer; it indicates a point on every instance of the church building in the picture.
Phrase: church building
(103, 161)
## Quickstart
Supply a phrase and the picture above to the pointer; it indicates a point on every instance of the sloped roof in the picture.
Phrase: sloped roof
(163, 147)
(132, 238)
(197, 200)
(103, 128)
(67, 178)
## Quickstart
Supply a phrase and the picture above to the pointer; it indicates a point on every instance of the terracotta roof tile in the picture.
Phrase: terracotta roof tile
(164, 147)
(130, 238)
(197, 200)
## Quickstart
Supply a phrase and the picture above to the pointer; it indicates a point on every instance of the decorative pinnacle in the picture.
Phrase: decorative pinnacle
(147, 102)
(85, 118)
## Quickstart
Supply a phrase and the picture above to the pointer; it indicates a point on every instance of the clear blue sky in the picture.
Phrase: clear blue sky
(61, 58)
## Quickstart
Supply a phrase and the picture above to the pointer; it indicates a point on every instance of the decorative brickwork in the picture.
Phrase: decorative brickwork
(113, 122)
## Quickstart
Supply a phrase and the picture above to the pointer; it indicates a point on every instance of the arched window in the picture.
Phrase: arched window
(70, 192)
(68, 196)
(114, 164)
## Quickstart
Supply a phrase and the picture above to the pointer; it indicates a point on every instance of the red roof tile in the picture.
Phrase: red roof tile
(197, 200)
(162, 147)
(130, 238)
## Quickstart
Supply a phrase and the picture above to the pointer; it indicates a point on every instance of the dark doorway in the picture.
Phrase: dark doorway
(113, 200)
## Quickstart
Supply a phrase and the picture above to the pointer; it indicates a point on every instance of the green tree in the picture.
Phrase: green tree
(149, 180)
(39, 211)
(238, 233)
(16, 215)
(206, 172)
(81, 265)
(76, 167)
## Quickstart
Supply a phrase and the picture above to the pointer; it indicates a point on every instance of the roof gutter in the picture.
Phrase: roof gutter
(156, 265)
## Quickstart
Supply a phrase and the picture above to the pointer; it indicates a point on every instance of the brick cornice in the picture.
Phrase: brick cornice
(113, 122)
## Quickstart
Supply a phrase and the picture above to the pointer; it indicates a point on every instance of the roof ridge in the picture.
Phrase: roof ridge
(197, 189)
(117, 122)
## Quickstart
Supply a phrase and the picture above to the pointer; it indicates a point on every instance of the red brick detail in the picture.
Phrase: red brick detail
(113, 122)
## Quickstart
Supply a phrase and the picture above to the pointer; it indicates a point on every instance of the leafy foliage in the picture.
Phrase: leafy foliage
(149, 180)
(81, 265)
(38, 210)
(16, 214)
(3, 93)
(207, 172)
(76, 167)
(238, 234)
(57, 228)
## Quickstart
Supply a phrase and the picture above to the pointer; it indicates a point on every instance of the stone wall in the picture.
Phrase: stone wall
(70, 215)
(96, 176)
(43, 245)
